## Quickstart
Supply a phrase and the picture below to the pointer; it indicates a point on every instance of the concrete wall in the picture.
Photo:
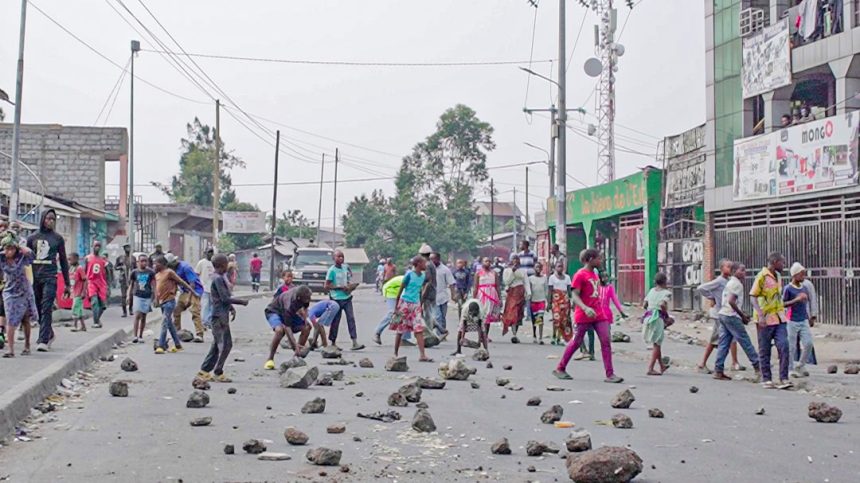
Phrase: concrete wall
(68, 159)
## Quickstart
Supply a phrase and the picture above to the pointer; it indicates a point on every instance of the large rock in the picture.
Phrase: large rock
(397, 400)
(427, 383)
(622, 421)
(623, 399)
(832, 369)
(295, 437)
(197, 399)
(501, 446)
(118, 389)
(502, 381)
(430, 338)
(852, 369)
(538, 448)
(824, 413)
(657, 413)
(480, 355)
(324, 456)
(204, 421)
(315, 406)
(620, 337)
(324, 380)
(128, 365)
(299, 377)
(291, 364)
(185, 335)
(471, 344)
(578, 441)
(336, 428)
(397, 364)
(331, 352)
(552, 414)
(533, 401)
(411, 392)
(254, 446)
(200, 384)
(365, 363)
(456, 369)
(609, 464)
(423, 422)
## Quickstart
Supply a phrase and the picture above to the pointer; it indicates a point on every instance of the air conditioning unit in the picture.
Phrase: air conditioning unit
(751, 21)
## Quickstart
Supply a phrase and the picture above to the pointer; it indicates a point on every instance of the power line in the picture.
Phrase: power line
(111, 93)
(531, 53)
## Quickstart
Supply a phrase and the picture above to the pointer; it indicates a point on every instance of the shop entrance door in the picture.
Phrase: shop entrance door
(631, 259)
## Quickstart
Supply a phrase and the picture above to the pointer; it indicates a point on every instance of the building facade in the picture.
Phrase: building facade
(783, 90)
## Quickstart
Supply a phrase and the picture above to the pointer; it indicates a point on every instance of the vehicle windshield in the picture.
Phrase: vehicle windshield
(312, 258)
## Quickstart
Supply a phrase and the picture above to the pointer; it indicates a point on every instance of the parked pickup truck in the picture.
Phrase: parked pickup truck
(310, 266)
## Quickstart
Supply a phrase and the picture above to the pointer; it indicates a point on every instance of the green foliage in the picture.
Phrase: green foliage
(435, 193)
(294, 224)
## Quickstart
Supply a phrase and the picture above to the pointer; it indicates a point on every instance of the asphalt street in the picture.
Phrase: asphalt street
(712, 435)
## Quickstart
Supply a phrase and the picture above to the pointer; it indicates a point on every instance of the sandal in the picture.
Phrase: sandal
(425, 359)
(653, 373)
(8, 355)
(25, 352)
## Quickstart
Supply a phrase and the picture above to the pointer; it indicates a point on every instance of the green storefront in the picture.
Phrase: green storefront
(622, 218)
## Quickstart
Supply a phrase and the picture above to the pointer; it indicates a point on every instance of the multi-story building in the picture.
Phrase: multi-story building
(783, 93)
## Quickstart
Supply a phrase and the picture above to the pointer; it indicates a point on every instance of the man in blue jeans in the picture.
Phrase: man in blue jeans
(798, 296)
(339, 287)
(389, 290)
(733, 320)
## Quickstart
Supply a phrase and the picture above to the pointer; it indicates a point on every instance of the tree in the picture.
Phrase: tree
(365, 223)
(294, 224)
(195, 182)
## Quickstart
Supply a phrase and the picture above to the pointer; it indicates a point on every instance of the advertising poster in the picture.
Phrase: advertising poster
(243, 221)
(766, 60)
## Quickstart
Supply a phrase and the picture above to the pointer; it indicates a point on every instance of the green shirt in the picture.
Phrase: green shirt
(339, 277)
(392, 287)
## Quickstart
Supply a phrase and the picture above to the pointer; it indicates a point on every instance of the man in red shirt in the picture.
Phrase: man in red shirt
(256, 269)
(588, 315)
(97, 283)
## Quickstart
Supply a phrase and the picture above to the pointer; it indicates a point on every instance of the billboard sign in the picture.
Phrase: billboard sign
(766, 60)
(685, 168)
(243, 221)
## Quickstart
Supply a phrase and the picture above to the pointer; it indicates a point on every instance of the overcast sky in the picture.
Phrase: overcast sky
(373, 114)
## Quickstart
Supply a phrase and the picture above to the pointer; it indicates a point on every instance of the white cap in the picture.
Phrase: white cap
(169, 257)
(796, 268)
(425, 249)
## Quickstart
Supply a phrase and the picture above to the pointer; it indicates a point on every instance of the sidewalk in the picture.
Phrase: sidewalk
(26, 380)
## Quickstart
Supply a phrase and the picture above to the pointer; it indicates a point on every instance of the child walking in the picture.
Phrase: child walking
(18, 299)
(588, 314)
(286, 316)
(140, 294)
(97, 283)
(655, 320)
(78, 277)
(222, 312)
(407, 309)
(559, 285)
(166, 285)
(537, 305)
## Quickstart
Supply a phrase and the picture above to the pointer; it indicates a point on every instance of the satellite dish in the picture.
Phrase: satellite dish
(619, 50)
(593, 67)
(591, 129)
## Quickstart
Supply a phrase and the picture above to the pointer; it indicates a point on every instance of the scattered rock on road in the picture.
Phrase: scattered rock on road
(501, 446)
(397, 400)
(200, 384)
(489, 365)
(205, 421)
(324, 380)
(623, 399)
(423, 422)
(428, 383)
(422, 405)
(299, 377)
(229, 449)
(507, 367)
(620, 337)
(832, 369)
(253, 446)
(295, 437)
(336, 428)
(397, 364)
(456, 369)
(533, 401)
(552, 414)
(694, 389)
(578, 441)
(365, 363)
(657, 413)
(231, 390)
(502, 381)
(324, 456)
(197, 399)
(824, 413)
(384, 416)
(556, 388)
(267, 456)
(471, 344)
(118, 389)
(314, 406)
(609, 464)
(185, 335)
(480, 355)
(291, 363)
(852, 369)
(411, 392)
(430, 338)
(128, 365)
(475, 385)
(622, 421)
(537, 448)
(331, 352)
(337, 375)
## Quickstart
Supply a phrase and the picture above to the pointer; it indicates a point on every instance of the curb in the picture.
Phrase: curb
(15, 403)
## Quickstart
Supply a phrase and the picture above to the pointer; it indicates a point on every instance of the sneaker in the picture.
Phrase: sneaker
(377, 339)
(356, 346)
(135, 340)
(222, 378)
(768, 385)
(97, 325)
(785, 385)
(722, 377)
(613, 379)
(561, 375)
(41, 347)
(703, 370)
(198, 339)
(269, 365)
(159, 350)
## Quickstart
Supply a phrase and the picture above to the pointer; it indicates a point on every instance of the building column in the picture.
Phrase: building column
(777, 7)
(708, 262)
(847, 74)
(776, 103)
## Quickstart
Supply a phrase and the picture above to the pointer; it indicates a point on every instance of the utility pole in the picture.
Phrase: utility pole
(334, 208)
(135, 48)
(216, 175)
(561, 176)
(319, 210)
(553, 134)
(492, 214)
(16, 129)
(274, 212)
(526, 236)
(516, 219)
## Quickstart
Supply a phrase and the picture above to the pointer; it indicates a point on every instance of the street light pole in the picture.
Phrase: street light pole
(135, 48)
(561, 176)
(16, 129)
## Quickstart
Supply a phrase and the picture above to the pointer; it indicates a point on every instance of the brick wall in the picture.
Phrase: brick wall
(70, 160)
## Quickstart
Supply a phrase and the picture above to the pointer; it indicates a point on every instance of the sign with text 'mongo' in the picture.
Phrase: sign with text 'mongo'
(603, 201)
(815, 156)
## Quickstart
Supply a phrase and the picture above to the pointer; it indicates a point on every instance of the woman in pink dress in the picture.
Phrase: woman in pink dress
(487, 292)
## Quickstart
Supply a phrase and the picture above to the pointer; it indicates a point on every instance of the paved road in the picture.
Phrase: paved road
(707, 436)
